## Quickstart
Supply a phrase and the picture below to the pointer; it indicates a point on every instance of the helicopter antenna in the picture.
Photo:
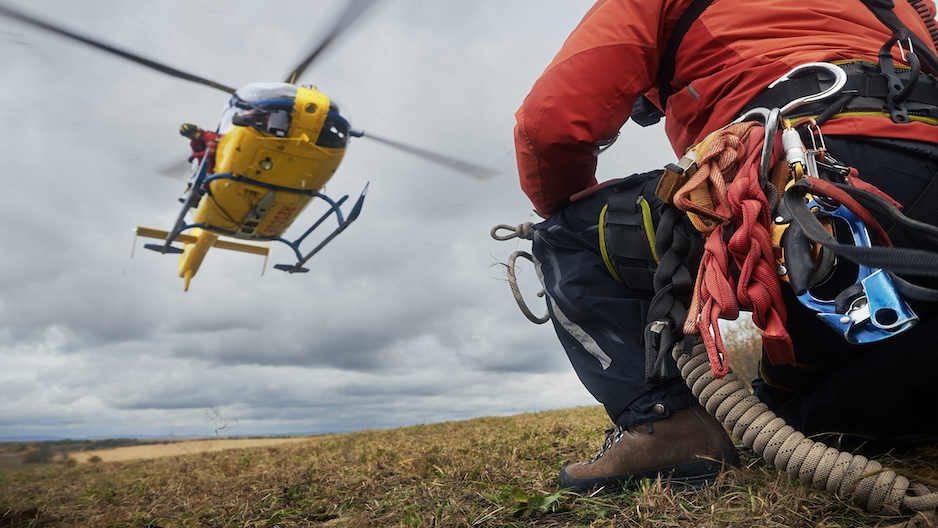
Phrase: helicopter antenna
(143, 61)
(351, 13)
(476, 171)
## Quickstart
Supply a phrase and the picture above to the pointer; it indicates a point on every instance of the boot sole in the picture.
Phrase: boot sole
(693, 475)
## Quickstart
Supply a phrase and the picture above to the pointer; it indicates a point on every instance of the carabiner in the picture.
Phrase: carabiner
(771, 117)
(840, 79)
(871, 309)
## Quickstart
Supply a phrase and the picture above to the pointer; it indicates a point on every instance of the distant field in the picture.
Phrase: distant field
(22, 455)
(189, 447)
(485, 472)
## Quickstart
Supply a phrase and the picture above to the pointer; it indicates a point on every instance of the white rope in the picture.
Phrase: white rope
(874, 487)
(525, 231)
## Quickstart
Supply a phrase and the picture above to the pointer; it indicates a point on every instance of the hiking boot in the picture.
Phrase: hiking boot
(690, 448)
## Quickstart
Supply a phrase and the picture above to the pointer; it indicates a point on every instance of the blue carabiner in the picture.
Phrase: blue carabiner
(875, 314)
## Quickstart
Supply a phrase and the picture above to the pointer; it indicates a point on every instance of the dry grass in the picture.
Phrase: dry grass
(482, 472)
(476, 473)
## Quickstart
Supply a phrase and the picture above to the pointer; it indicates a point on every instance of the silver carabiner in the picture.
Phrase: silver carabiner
(751, 114)
(840, 79)
(771, 118)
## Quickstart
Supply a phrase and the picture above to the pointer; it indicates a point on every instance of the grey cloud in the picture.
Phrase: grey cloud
(402, 319)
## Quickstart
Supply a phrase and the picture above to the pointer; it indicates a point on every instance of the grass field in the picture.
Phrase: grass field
(481, 472)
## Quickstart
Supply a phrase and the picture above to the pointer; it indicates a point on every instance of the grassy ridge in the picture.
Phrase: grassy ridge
(481, 472)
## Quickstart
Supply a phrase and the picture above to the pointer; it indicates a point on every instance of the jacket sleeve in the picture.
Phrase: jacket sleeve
(583, 98)
(198, 149)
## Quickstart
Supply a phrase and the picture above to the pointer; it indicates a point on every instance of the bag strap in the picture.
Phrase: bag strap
(666, 68)
(644, 112)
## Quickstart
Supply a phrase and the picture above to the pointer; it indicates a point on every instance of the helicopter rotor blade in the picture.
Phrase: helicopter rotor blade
(143, 61)
(351, 13)
(476, 171)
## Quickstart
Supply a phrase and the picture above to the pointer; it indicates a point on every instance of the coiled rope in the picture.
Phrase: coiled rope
(525, 231)
(872, 486)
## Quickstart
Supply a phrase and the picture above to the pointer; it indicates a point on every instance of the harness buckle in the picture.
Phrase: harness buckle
(654, 332)
(675, 176)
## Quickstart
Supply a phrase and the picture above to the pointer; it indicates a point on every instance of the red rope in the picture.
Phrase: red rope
(759, 288)
(717, 295)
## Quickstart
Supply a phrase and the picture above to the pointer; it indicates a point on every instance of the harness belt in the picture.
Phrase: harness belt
(866, 90)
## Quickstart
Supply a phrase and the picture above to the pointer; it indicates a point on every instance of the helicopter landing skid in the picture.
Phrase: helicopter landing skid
(163, 248)
(343, 224)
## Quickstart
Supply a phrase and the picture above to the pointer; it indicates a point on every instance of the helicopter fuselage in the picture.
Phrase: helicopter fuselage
(262, 182)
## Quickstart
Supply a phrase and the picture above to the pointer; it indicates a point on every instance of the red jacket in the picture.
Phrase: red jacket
(729, 55)
(205, 146)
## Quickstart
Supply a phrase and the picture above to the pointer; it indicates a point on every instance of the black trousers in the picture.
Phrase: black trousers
(599, 321)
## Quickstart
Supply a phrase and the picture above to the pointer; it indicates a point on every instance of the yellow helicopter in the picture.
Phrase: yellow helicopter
(278, 144)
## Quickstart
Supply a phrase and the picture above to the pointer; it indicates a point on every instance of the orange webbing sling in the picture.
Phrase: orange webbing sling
(725, 201)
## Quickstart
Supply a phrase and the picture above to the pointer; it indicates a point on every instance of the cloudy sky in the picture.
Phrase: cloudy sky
(406, 318)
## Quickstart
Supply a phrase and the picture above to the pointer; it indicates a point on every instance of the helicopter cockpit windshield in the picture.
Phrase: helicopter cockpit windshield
(263, 106)
(268, 107)
(335, 131)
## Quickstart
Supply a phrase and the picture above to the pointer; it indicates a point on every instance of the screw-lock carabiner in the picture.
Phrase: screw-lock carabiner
(840, 79)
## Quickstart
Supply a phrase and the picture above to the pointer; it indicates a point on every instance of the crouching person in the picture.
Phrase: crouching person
(702, 64)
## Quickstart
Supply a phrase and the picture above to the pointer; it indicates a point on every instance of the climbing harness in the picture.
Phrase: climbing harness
(727, 187)
(627, 232)
(840, 79)
(864, 91)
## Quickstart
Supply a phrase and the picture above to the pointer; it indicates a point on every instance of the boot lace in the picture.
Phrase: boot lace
(612, 436)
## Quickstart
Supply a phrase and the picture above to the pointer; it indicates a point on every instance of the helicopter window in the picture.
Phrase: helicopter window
(256, 92)
(270, 121)
(225, 124)
(253, 104)
(335, 132)
(270, 104)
